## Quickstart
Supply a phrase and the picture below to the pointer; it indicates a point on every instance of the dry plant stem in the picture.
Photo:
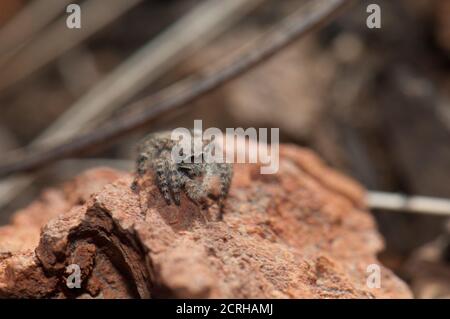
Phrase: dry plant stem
(30, 20)
(409, 204)
(57, 39)
(180, 94)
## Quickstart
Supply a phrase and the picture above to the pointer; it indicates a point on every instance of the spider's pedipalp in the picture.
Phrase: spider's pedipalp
(195, 189)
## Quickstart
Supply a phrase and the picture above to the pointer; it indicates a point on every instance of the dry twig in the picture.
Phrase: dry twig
(57, 39)
(30, 20)
(409, 204)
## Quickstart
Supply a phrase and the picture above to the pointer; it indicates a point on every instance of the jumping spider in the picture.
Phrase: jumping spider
(198, 180)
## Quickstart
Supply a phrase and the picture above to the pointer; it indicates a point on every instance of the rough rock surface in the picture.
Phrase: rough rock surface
(302, 233)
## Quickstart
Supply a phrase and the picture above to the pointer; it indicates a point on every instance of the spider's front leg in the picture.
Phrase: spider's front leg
(226, 175)
(160, 166)
(163, 178)
(141, 168)
(175, 180)
(154, 153)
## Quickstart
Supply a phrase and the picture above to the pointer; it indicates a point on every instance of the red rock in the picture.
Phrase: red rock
(302, 233)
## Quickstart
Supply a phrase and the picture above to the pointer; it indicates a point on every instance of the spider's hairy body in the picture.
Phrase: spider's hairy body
(199, 180)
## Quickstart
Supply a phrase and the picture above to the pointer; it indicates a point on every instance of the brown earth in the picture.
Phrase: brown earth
(302, 233)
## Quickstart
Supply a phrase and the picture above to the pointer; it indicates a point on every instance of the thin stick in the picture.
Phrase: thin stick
(30, 20)
(57, 39)
(408, 204)
(315, 16)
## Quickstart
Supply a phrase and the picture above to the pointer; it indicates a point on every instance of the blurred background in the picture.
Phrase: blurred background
(374, 103)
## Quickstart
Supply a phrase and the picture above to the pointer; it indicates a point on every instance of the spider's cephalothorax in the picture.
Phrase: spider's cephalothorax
(199, 180)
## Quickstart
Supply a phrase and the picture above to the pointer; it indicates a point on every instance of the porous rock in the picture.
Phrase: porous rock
(301, 233)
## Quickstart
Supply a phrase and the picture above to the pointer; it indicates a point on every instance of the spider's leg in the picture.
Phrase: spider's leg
(226, 175)
(175, 182)
(141, 168)
(160, 165)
